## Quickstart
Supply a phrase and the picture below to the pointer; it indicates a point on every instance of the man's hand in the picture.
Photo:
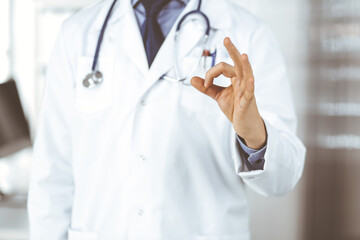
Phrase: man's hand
(237, 101)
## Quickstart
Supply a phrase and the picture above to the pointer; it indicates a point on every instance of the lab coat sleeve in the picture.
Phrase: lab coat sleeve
(51, 181)
(285, 153)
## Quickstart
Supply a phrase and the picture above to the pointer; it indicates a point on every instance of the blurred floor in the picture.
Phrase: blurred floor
(13, 218)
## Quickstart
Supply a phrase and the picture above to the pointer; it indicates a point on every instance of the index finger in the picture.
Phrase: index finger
(235, 56)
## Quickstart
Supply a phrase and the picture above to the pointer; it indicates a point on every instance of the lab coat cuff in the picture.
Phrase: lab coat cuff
(269, 154)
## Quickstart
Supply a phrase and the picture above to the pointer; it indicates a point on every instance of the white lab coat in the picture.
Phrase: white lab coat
(138, 158)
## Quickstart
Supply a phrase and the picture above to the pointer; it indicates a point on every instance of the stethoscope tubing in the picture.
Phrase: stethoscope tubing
(177, 30)
(101, 37)
(207, 31)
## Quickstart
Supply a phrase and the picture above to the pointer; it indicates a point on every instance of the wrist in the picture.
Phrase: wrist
(256, 143)
(256, 138)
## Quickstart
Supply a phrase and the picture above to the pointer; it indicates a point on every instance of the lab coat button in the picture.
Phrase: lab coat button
(143, 102)
(140, 212)
(142, 157)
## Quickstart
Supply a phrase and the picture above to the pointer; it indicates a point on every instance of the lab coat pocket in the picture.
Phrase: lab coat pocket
(194, 102)
(81, 235)
(90, 100)
(191, 99)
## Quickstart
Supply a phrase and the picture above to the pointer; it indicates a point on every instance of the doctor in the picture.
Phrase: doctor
(138, 156)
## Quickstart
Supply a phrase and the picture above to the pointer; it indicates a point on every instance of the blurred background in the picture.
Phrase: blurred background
(321, 44)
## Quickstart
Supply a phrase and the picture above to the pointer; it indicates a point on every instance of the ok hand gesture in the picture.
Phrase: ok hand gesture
(237, 101)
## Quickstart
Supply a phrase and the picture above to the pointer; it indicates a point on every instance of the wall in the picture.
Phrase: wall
(282, 218)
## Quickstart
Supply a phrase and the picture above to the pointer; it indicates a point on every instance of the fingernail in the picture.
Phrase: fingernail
(227, 39)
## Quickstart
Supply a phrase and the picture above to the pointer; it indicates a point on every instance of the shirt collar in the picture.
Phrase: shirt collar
(133, 2)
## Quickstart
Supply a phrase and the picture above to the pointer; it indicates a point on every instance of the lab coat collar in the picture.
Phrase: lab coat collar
(129, 33)
(217, 15)
(216, 11)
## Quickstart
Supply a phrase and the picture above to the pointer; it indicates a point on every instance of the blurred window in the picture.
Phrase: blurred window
(333, 139)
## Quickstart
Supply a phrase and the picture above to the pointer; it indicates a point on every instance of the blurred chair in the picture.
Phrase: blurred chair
(14, 129)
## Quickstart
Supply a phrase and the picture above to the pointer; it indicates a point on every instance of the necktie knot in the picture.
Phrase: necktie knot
(153, 7)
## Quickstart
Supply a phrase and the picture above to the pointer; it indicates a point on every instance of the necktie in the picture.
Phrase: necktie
(150, 30)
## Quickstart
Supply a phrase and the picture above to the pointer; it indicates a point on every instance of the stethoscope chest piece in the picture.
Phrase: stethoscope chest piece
(93, 79)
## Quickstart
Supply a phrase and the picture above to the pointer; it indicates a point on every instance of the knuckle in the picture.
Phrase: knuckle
(208, 74)
(222, 64)
(249, 96)
(237, 79)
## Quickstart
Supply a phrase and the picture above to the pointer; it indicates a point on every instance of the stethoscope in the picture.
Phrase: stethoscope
(95, 77)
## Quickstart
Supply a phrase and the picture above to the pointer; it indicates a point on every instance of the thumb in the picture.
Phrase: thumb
(212, 91)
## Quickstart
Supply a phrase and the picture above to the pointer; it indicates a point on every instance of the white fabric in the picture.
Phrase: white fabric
(142, 158)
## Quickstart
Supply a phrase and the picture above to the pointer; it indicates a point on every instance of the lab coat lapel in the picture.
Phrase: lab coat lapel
(133, 44)
(124, 30)
(118, 12)
(164, 59)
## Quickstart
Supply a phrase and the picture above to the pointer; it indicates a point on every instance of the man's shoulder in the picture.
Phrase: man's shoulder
(81, 20)
(242, 16)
